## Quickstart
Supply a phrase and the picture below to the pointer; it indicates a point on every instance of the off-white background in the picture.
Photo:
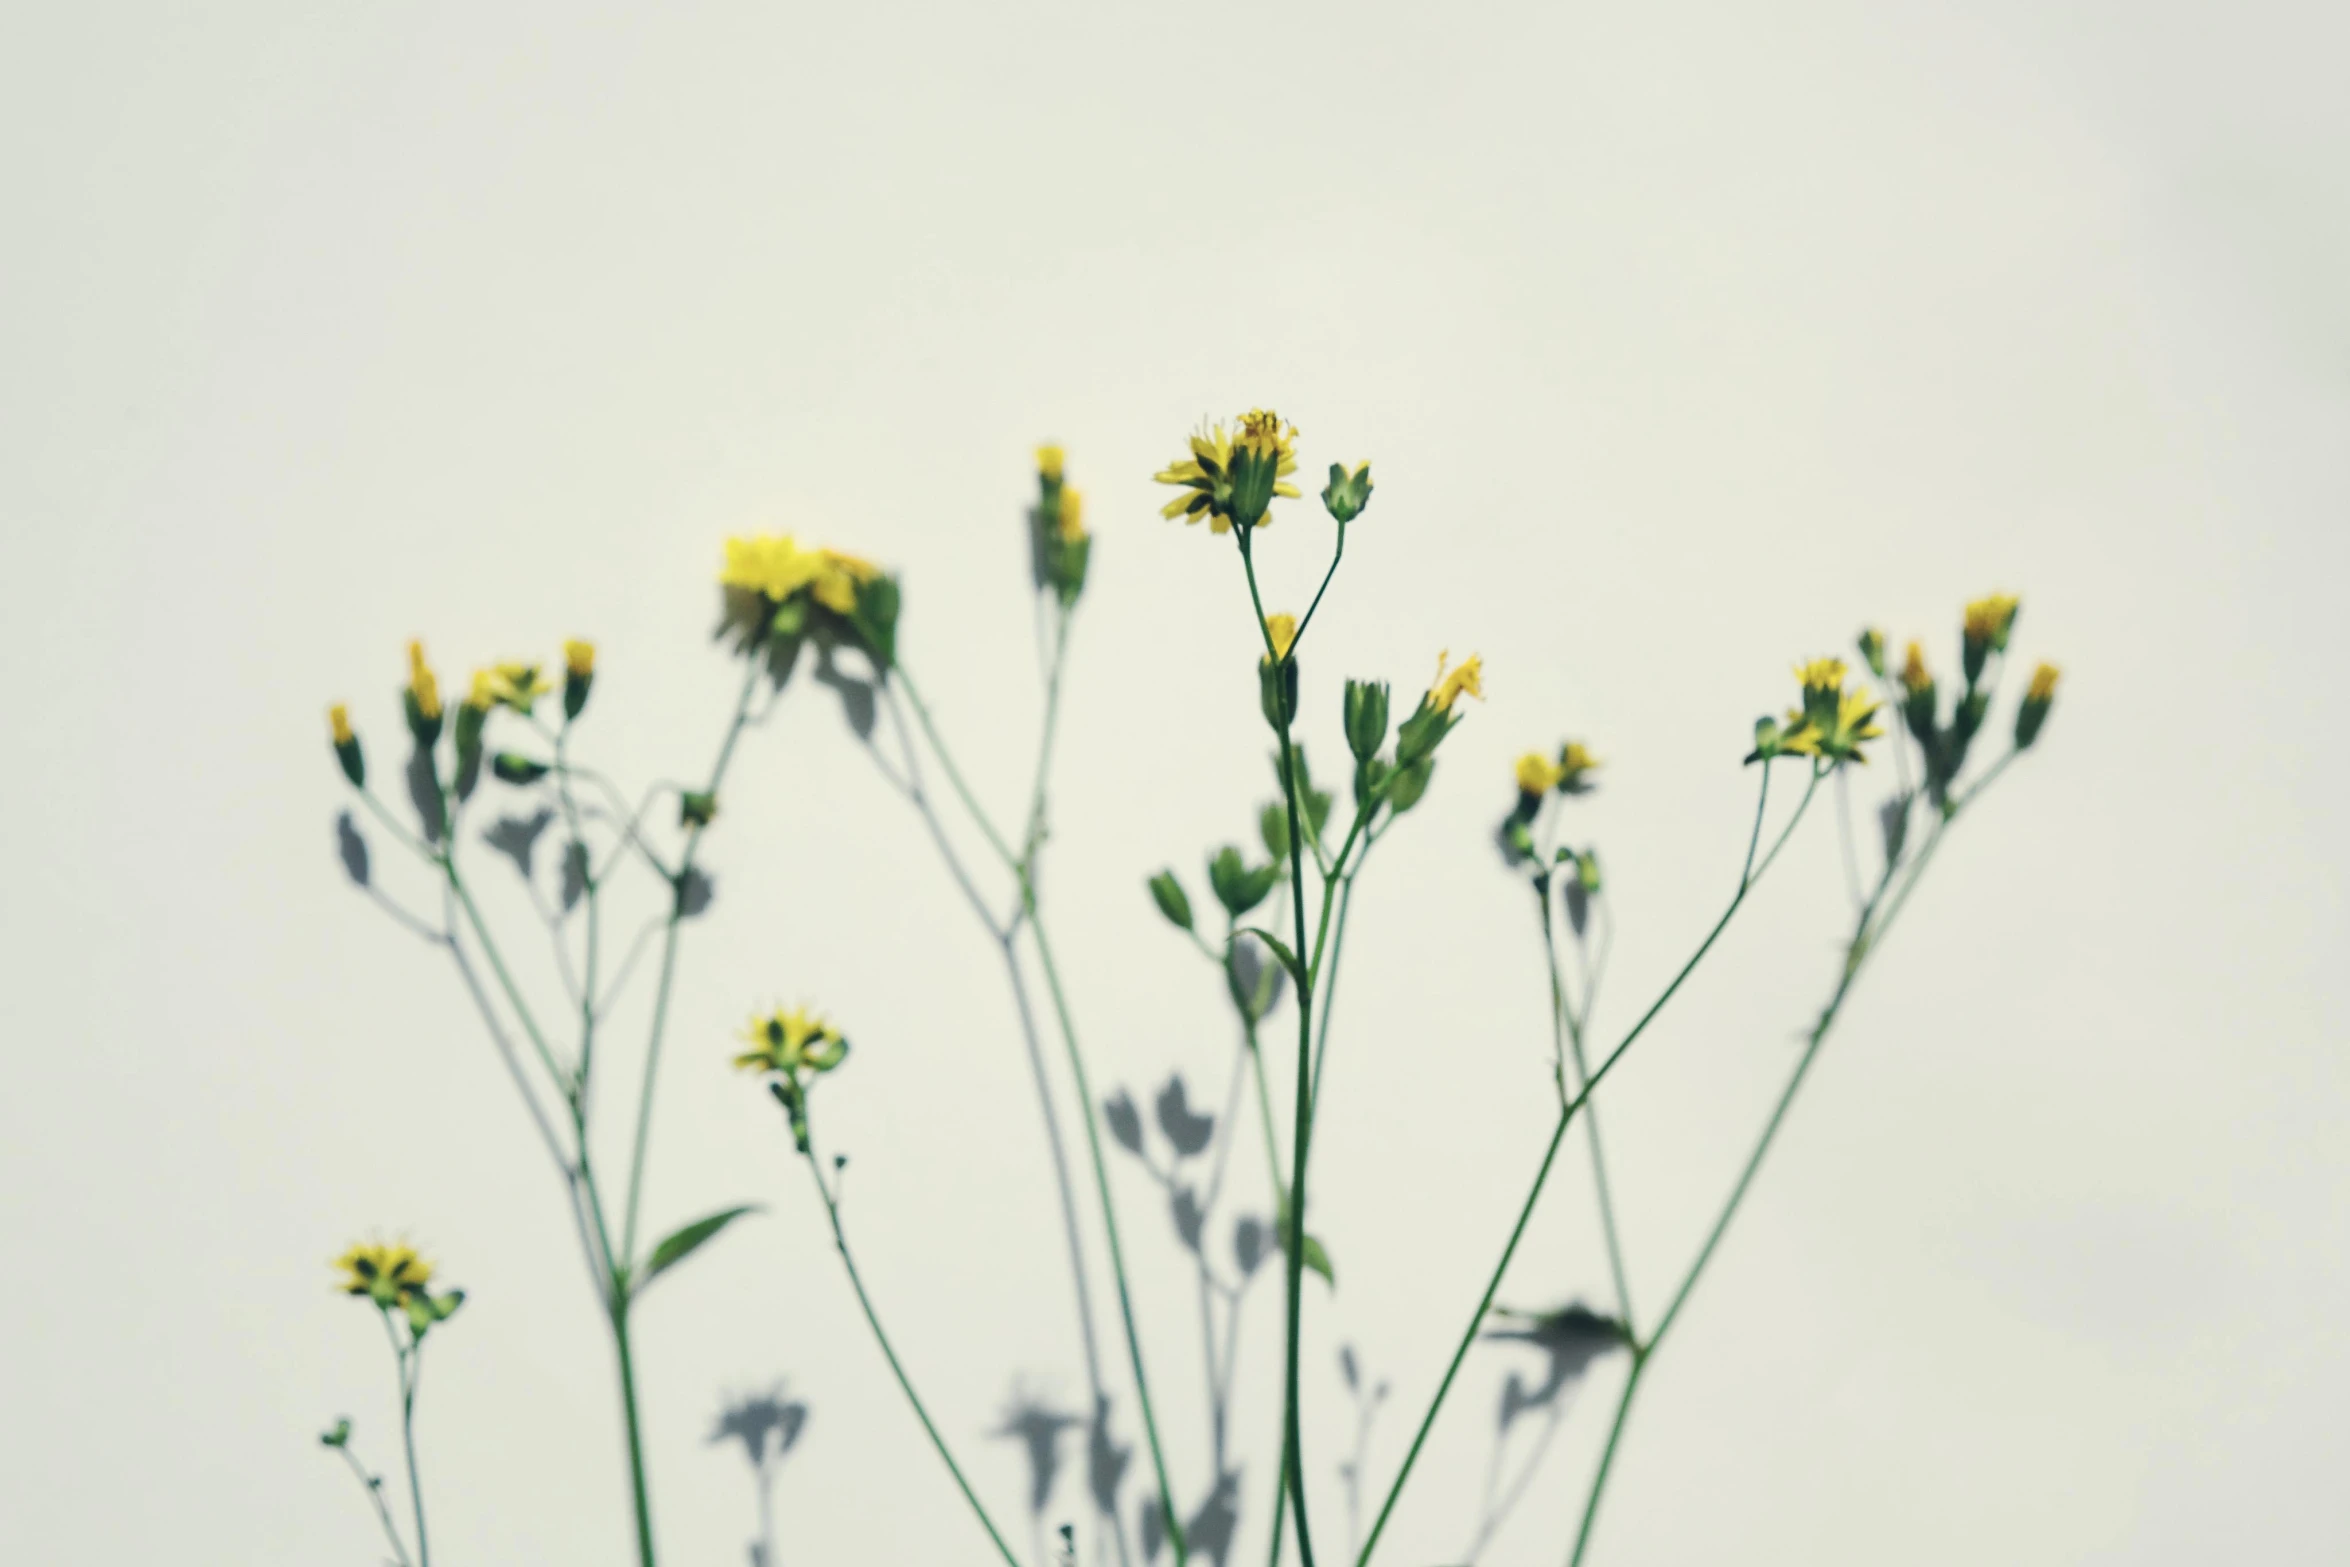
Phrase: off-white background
(1685, 339)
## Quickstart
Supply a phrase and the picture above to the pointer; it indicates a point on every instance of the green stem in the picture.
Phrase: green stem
(1748, 876)
(1101, 1181)
(946, 760)
(1869, 932)
(1567, 1039)
(1302, 1134)
(410, 1369)
(840, 1241)
(661, 994)
(641, 1493)
(373, 1485)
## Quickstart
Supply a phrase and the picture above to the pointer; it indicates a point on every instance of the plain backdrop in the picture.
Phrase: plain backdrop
(1685, 339)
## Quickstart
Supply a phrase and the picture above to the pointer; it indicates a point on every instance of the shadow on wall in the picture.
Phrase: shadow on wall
(768, 1425)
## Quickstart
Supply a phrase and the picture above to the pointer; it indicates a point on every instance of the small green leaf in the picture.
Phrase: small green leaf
(1280, 950)
(684, 1242)
(1318, 1261)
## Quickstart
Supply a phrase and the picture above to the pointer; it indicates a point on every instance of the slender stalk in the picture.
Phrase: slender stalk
(1874, 923)
(1750, 874)
(840, 1242)
(374, 1487)
(1567, 1039)
(1302, 1134)
(640, 1492)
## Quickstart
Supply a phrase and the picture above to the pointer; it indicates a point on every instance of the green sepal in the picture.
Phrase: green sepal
(1420, 735)
(1410, 783)
(1277, 692)
(1237, 887)
(1273, 827)
(1366, 717)
(354, 761)
(875, 618)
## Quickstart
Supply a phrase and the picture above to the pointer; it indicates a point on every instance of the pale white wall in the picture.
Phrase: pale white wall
(1685, 339)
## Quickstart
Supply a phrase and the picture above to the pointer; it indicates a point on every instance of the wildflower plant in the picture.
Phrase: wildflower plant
(397, 1282)
(1271, 927)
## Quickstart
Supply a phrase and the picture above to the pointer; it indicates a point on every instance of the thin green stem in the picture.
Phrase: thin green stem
(374, 1487)
(1749, 874)
(1302, 1135)
(1870, 928)
(946, 760)
(663, 988)
(639, 1491)
(411, 1368)
(1101, 1180)
(840, 1241)
(1567, 1040)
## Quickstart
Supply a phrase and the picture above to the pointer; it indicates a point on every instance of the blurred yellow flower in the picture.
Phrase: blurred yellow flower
(1282, 630)
(1450, 684)
(422, 681)
(338, 718)
(580, 658)
(389, 1273)
(788, 1039)
(1537, 774)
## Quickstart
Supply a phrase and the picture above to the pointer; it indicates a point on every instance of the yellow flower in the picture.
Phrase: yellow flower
(1072, 515)
(1225, 475)
(770, 564)
(1821, 674)
(1988, 620)
(484, 694)
(1915, 677)
(2043, 686)
(338, 718)
(422, 681)
(1537, 774)
(1575, 765)
(1282, 629)
(1469, 677)
(516, 684)
(1048, 463)
(1837, 736)
(580, 658)
(389, 1273)
(789, 1039)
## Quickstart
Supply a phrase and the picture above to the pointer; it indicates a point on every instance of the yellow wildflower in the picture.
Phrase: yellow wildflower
(389, 1273)
(1821, 674)
(338, 718)
(1072, 515)
(1915, 677)
(517, 684)
(422, 681)
(1537, 774)
(2043, 686)
(1049, 460)
(1282, 630)
(580, 658)
(484, 694)
(789, 1039)
(770, 564)
(1988, 620)
(1233, 480)
(1469, 677)
(1575, 765)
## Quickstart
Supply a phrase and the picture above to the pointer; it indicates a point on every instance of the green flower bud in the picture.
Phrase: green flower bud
(1366, 717)
(1237, 887)
(1347, 493)
(1587, 870)
(2038, 698)
(515, 768)
(1277, 691)
(1273, 827)
(1410, 783)
(347, 752)
(1172, 900)
(1872, 651)
(695, 808)
(579, 676)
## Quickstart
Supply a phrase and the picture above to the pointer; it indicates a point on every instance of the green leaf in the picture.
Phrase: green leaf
(1280, 950)
(1318, 1261)
(684, 1242)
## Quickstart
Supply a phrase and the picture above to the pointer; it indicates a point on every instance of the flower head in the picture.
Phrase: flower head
(423, 685)
(789, 1040)
(1990, 619)
(484, 694)
(517, 684)
(1072, 524)
(1832, 722)
(1915, 676)
(338, 719)
(1537, 775)
(1450, 683)
(579, 658)
(1233, 478)
(1049, 459)
(2039, 696)
(390, 1274)
(2043, 686)
(1575, 766)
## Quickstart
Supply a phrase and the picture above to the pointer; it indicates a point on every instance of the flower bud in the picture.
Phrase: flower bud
(1347, 493)
(1172, 900)
(1411, 782)
(1237, 887)
(515, 768)
(696, 808)
(1587, 870)
(1366, 717)
(2038, 698)
(579, 674)
(1872, 650)
(347, 752)
(472, 715)
(422, 699)
(1277, 692)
